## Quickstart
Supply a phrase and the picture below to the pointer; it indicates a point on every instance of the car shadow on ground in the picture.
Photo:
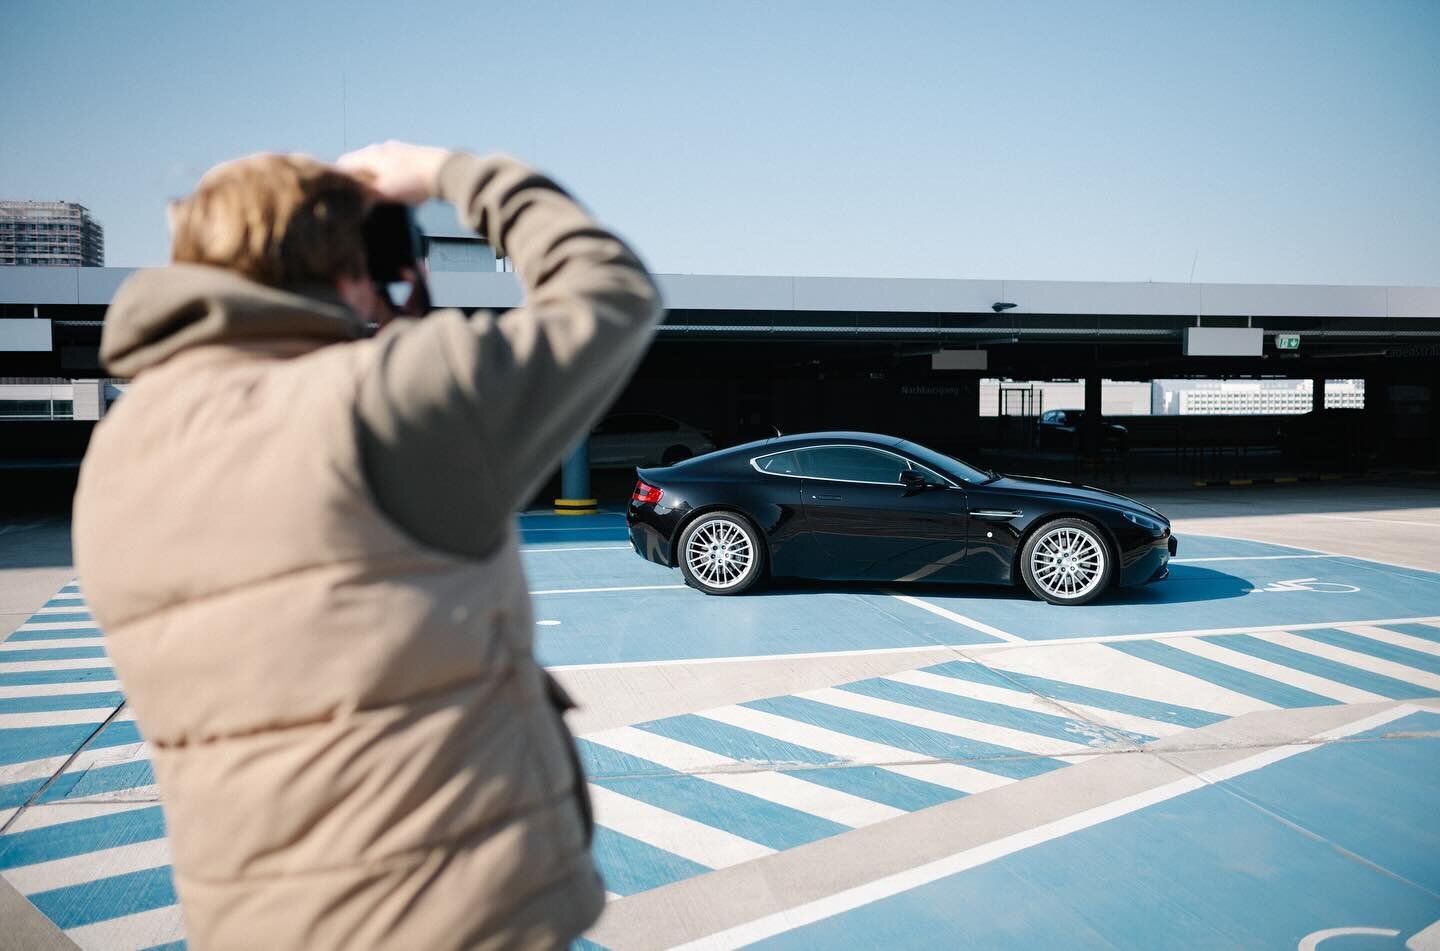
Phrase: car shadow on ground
(1186, 584)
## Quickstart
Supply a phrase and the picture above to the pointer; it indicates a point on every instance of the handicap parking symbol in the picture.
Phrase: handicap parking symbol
(1306, 584)
(1426, 940)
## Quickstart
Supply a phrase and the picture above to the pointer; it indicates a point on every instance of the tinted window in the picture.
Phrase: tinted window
(851, 464)
(944, 463)
(782, 463)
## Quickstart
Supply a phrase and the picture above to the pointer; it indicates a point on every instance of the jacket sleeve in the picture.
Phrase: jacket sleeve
(460, 419)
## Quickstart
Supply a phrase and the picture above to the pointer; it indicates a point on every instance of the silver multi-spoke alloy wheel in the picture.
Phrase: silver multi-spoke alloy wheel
(720, 554)
(1066, 562)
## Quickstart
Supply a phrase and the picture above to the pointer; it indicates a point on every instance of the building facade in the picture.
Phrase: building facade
(50, 234)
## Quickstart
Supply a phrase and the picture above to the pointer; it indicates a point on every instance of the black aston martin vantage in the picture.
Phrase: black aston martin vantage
(859, 506)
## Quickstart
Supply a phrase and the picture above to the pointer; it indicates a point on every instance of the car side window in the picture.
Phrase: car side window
(931, 477)
(851, 464)
(782, 463)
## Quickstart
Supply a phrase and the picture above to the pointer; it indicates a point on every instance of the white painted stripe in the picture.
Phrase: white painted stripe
(1387, 521)
(16, 721)
(858, 751)
(37, 666)
(1395, 638)
(1265, 668)
(59, 690)
(946, 723)
(706, 845)
(45, 768)
(132, 932)
(1182, 533)
(638, 587)
(64, 609)
(986, 648)
(1096, 666)
(1375, 665)
(29, 879)
(58, 626)
(1192, 561)
(11, 646)
(949, 615)
(611, 896)
(851, 898)
(765, 784)
(534, 551)
(73, 810)
(1023, 700)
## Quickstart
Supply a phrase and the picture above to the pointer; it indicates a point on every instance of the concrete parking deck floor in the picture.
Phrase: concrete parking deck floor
(1245, 755)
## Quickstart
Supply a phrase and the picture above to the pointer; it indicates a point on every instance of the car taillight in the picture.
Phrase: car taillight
(645, 492)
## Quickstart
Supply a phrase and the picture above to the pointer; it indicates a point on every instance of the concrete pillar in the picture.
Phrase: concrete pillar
(1090, 428)
(89, 398)
(575, 483)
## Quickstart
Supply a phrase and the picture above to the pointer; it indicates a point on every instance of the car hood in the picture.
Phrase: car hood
(1055, 488)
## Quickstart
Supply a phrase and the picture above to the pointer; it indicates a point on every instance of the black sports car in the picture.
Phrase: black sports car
(858, 506)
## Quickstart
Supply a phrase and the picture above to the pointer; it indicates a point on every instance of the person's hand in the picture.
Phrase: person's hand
(399, 171)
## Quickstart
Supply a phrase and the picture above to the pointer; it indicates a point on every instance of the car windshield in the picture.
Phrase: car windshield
(947, 464)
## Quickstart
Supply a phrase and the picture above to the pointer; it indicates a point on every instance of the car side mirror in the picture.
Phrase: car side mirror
(912, 480)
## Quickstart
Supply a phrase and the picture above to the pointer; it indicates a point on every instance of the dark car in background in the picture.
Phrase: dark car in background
(860, 506)
(1060, 429)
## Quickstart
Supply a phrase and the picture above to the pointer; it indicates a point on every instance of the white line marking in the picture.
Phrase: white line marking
(1191, 561)
(639, 587)
(1240, 660)
(1015, 645)
(766, 784)
(1338, 554)
(11, 646)
(44, 666)
(958, 618)
(946, 723)
(132, 932)
(1021, 699)
(1098, 667)
(534, 551)
(50, 765)
(1387, 521)
(105, 804)
(858, 751)
(1375, 665)
(88, 866)
(870, 892)
(696, 841)
(59, 690)
(66, 609)
(18, 721)
(58, 626)
(1395, 638)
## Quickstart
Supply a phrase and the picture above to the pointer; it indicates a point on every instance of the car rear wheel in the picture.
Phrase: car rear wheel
(721, 553)
(1066, 562)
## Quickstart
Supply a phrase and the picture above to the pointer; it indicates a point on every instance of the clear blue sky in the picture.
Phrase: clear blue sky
(1284, 141)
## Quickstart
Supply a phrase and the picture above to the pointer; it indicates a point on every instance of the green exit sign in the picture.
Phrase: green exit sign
(1287, 341)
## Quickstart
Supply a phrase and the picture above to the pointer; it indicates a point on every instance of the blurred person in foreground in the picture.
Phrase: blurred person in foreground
(299, 541)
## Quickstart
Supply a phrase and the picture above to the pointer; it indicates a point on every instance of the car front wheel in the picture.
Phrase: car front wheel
(1066, 562)
(721, 553)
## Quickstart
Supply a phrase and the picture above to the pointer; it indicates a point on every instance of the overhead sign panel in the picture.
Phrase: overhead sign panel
(1224, 341)
(960, 360)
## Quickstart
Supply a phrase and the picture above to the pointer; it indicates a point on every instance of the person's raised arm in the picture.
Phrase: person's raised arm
(462, 418)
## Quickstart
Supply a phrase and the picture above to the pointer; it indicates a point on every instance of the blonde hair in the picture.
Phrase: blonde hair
(281, 220)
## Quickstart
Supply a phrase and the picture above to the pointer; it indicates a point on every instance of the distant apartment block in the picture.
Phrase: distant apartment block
(1250, 397)
(50, 234)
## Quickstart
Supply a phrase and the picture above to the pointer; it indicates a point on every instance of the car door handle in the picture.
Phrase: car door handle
(828, 498)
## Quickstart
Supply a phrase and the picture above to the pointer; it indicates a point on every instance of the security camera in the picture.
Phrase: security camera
(1000, 305)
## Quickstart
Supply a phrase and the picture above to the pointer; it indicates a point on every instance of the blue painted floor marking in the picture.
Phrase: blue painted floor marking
(1090, 696)
(1000, 760)
(1222, 675)
(66, 839)
(1427, 631)
(50, 653)
(630, 866)
(62, 701)
(31, 678)
(878, 785)
(22, 744)
(1379, 649)
(64, 634)
(58, 618)
(97, 780)
(102, 899)
(1322, 667)
(1206, 869)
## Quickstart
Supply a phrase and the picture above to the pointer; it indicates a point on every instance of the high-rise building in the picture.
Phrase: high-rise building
(50, 233)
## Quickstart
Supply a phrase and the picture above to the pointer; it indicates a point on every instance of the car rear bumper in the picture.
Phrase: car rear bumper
(651, 532)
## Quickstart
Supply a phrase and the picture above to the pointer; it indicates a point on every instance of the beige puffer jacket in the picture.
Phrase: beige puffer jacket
(355, 746)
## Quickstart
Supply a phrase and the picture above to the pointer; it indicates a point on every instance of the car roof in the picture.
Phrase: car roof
(797, 440)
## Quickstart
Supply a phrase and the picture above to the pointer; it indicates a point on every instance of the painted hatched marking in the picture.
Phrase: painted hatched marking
(1097, 666)
(1013, 741)
(1274, 689)
(154, 930)
(705, 845)
(853, 749)
(1351, 658)
(15, 668)
(776, 787)
(57, 626)
(58, 873)
(49, 718)
(1022, 700)
(1311, 663)
(105, 899)
(89, 642)
(1397, 638)
(1334, 690)
(59, 689)
(52, 813)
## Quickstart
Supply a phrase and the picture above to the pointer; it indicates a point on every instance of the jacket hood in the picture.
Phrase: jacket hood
(161, 312)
